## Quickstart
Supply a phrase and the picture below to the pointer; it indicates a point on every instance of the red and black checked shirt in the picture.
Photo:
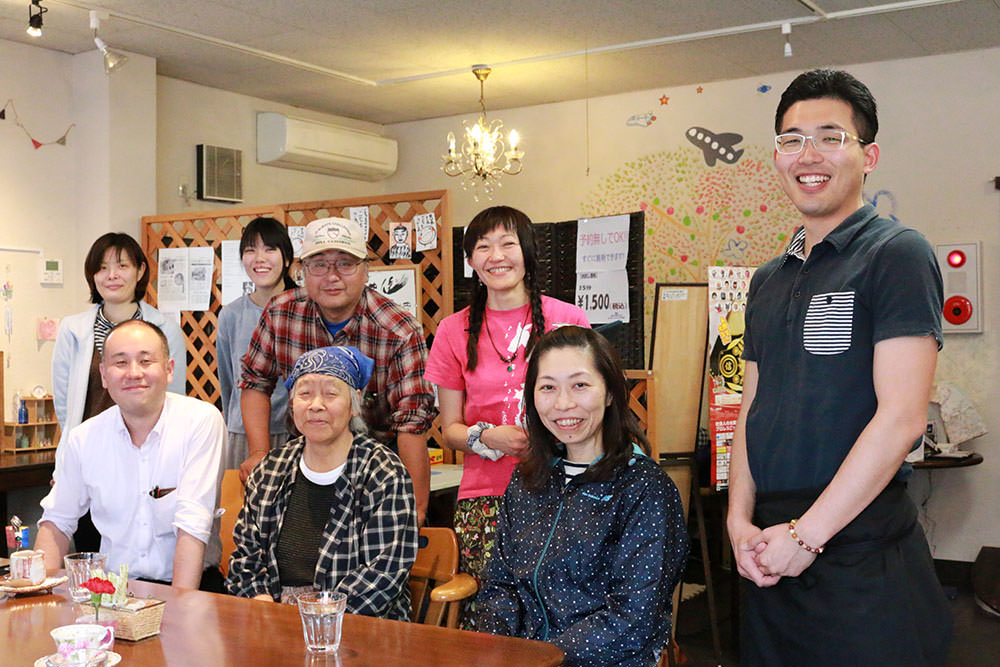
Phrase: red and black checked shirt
(397, 398)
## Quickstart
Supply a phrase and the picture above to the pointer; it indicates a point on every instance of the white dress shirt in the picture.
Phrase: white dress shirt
(103, 472)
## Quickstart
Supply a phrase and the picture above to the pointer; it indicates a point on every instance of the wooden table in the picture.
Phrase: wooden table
(209, 629)
(19, 471)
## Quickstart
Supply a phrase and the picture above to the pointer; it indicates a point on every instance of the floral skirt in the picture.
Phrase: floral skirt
(475, 528)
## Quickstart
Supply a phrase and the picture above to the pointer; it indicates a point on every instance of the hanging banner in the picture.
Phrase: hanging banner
(727, 293)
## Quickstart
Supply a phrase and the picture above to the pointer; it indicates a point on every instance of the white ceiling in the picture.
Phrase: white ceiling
(383, 40)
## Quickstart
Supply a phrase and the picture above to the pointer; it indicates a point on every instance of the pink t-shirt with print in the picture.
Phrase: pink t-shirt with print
(492, 393)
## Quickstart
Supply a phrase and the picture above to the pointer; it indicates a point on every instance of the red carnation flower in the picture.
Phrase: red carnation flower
(99, 586)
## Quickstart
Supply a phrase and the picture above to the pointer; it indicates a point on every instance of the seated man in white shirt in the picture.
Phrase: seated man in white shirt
(148, 469)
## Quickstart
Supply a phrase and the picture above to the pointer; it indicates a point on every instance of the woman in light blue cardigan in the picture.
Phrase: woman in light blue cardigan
(117, 272)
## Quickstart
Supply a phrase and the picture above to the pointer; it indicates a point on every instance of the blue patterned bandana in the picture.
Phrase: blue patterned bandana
(341, 361)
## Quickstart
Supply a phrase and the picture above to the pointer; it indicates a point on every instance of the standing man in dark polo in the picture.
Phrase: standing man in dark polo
(337, 308)
(842, 337)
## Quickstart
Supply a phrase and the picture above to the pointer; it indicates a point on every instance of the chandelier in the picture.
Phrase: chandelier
(479, 159)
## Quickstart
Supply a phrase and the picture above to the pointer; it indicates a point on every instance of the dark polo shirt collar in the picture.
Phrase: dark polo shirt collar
(839, 238)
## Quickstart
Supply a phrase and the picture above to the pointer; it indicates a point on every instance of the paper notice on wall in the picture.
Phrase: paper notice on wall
(467, 271)
(425, 228)
(359, 214)
(297, 235)
(171, 280)
(201, 269)
(602, 243)
(603, 295)
(235, 281)
(184, 280)
(400, 233)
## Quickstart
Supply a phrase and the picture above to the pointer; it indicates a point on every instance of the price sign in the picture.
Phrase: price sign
(603, 295)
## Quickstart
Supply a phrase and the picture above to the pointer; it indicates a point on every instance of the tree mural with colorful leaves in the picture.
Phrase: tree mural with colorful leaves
(697, 215)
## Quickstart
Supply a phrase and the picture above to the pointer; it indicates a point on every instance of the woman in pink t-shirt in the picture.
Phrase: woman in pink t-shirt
(478, 362)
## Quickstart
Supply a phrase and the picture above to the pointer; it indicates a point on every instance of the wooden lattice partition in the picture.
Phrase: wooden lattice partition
(210, 228)
(640, 394)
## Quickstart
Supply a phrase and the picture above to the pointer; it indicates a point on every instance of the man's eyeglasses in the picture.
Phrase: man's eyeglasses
(825, 141)
(342, 267)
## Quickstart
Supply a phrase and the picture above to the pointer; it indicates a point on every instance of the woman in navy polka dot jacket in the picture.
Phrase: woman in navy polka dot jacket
(591, 539)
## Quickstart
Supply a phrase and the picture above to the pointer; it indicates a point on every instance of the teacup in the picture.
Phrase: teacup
(69, 638)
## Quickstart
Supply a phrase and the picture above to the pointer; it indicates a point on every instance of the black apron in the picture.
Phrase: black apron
(871, 598)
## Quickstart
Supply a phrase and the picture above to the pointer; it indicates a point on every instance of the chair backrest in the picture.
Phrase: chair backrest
(437, 563)
(230, 499)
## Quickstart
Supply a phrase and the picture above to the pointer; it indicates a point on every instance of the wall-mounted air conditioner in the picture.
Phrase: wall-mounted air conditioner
(296, 143)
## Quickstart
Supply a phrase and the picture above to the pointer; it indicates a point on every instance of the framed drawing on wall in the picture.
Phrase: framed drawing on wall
(398, 282)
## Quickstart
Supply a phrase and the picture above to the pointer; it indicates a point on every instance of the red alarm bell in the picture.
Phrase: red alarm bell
(957, 310)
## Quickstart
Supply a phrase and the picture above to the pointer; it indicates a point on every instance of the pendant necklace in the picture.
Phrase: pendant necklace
(507, 360)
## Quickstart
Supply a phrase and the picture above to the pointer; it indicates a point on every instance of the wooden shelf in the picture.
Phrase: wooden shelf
(41, 430)
(29, 450)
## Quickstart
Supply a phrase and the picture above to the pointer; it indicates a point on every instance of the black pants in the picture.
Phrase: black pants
(871, 598)
(212, 581)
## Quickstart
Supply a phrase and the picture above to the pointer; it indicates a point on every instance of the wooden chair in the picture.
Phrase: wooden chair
(436, 587)
(231, 499)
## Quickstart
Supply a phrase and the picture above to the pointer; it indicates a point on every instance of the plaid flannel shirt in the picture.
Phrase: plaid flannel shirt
(368, 545)
(397, 399)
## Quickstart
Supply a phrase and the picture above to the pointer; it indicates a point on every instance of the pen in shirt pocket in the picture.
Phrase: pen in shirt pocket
(157, 492)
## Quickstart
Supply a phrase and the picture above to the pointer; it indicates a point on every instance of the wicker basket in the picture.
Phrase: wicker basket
(137, 619)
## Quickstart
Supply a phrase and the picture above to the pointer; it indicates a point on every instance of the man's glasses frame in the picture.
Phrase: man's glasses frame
(342, 267)
(824, 141)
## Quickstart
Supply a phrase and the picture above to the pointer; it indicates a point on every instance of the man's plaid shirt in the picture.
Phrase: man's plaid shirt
(397, 399)
(368, 545)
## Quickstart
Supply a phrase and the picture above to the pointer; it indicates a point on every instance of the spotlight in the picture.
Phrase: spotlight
(786, 30)
(35, 11)
(113, 60)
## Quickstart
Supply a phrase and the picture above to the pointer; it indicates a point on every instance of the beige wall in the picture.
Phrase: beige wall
(190, 114)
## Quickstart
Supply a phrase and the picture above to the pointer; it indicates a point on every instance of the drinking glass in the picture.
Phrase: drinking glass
(78, 568)
(322, 615)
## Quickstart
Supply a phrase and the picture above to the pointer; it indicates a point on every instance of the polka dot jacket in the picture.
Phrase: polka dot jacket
(589, 566)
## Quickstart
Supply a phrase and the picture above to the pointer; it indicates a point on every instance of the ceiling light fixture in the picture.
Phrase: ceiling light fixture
(113, 60)
(786, 30)
(35, 11)
(482, 148)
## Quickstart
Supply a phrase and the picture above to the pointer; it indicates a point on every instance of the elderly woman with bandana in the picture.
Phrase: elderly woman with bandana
(332, 509)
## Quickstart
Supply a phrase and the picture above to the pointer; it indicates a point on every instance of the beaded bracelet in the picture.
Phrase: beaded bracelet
(812, 550)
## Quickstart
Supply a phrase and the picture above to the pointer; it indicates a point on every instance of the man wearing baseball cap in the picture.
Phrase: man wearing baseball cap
(337, 308)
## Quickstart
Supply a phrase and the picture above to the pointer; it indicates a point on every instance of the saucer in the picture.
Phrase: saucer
(113, 659)
(48, 584)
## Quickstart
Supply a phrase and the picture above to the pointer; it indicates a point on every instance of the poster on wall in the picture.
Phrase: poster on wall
(601, 278)
(184, 278)
(235, 281)
(398, 282)
(727, 293)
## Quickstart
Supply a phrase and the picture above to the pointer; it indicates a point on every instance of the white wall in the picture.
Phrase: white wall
(38, 197)
(190, 114)
(939, 157)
